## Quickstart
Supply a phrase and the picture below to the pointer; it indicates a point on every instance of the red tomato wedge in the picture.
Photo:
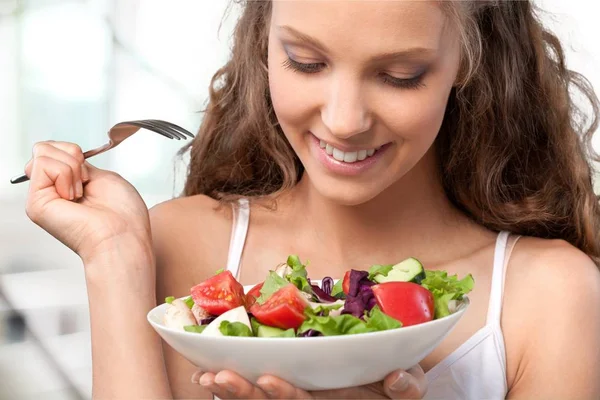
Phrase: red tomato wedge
(408, 302)
(284, 309)
(252, 295)
(219, 293)
(346, 283)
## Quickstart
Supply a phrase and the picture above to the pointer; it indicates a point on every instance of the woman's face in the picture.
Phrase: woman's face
(360, 88)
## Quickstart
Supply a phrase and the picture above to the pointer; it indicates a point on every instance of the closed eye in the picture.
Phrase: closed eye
(403, 83)
(307, 68)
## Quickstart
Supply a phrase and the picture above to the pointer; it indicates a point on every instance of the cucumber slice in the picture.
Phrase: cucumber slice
(270, 331)
(409, 270)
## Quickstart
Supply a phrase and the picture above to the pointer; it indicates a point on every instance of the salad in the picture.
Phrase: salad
(288, 304)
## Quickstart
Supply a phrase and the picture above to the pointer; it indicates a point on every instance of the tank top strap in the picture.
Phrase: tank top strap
(239, 231)
(504, 246)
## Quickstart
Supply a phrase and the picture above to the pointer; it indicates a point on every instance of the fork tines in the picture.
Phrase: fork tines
(167, 129)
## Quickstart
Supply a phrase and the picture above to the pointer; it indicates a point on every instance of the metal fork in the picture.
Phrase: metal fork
(121, 131)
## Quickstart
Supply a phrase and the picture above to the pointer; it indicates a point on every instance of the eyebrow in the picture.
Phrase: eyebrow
(412, 52)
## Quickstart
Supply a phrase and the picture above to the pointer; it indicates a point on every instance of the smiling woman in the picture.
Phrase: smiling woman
(383, 95)
(360, 133)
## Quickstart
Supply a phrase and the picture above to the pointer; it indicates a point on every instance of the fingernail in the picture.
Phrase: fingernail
(401, 383)
(196, 377)
(205, 380)
(79, 189)
(71, 194)
(84, 173)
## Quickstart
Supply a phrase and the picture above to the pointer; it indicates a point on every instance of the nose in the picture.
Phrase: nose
(345, 113)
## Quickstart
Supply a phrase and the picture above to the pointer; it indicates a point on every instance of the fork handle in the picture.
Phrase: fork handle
(19, 179)
(86, 155)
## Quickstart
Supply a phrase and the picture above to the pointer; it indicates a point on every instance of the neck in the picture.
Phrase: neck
(400, 222)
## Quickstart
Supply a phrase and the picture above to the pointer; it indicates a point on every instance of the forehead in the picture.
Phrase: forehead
(352, 25)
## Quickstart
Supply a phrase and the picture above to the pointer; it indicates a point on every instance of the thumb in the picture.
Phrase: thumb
(409, 384)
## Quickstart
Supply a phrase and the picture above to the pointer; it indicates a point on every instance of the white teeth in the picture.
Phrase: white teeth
(351, 157)
(338, 154)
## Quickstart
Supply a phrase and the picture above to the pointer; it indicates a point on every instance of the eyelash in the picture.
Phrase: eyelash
(312, 68)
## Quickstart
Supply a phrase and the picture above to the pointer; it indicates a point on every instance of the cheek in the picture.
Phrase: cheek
(294, 104)
(294, 109)
(416, 116)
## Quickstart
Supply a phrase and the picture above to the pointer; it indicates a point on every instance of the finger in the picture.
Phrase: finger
(237, 387)
(234, 389)
(77, 153)
(48, 172)
(276, 388)
(58, 151)
(207, 381)
(70, 148)
(409, 384)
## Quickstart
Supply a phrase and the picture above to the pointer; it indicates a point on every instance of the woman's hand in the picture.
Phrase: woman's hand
(410, 384)
(82, 206)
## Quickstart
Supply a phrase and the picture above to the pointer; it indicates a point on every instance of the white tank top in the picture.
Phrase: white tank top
(474, 371)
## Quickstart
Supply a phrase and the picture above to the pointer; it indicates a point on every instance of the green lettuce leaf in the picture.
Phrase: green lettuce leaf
(235, 329)
(324, 308)
(344, 324)
(272, 284)
(299, 275)
(347, 324)
(217, 272)
(195, 328)
(379, 270)
(337, 291)
(380, 321)
(445, 288)
(169, 299)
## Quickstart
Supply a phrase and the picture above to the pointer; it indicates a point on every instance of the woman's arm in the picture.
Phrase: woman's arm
(560, 328)
(102, 218)
(126, 351)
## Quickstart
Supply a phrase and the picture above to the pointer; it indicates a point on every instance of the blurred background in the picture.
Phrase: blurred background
(69, 70)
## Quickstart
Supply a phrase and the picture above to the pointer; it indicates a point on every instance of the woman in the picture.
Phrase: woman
(361, 133)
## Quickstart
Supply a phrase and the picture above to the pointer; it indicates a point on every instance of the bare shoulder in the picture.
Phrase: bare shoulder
(191, 239)
(551, 317)
(550, 280)
(549, 264)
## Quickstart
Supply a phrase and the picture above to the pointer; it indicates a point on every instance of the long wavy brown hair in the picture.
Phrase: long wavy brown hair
(514, 148)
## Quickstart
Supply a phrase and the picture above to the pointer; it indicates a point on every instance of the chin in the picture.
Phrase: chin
(346, 193)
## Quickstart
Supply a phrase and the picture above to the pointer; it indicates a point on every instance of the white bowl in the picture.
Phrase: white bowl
(311, 363)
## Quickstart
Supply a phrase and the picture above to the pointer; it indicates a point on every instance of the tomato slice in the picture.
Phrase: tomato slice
(284, 309)
(252, 295)
(408, 302)
(219, 293)
(346, 283)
